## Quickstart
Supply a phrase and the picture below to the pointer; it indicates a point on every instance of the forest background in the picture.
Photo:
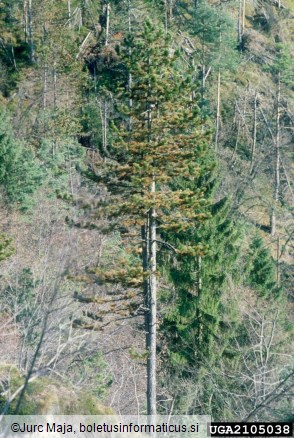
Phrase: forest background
(146, 188)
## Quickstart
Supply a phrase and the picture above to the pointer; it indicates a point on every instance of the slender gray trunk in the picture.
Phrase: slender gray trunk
(104, 126)
(69, 12)
(253, 147)
(233, 159)
(217, 124)
(13, 58)
(25, 20)
(203, 65)
(152, 289)
(199, 262)
(198, 314)
(243, 16)
(45, 88)
(31, 32)
(203, 82)
(107, 24)
(54, 86)
(130, 84)
(151, 342)
(165, 17)
(82, 20)
(145, 264)
(54, 143)
(240, 22)
(278, 262)
(277, 160)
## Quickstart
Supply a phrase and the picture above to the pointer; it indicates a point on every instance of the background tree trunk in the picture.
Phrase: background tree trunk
(217, 123)
(107, 14)
(25, 20)
(69, 12)
(31, 32)
(253, 147)
(277, 160)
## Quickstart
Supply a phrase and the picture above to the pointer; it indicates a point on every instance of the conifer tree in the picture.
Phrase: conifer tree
(6, 247)
(260, 268)
(194, 328)
(19, 173)
(157, 138)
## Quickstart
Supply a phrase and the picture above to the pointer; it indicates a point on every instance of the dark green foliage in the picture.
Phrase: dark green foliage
(13, 50)
(197, 319)
(283, 65)
(200, 320)
(261, 268)
(215, 46)
(214, 29)
(6, 247)
(203, 330)
(20, 175)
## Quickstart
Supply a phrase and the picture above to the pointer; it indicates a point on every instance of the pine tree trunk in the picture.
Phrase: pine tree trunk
(69, 12)
(278, 263)
(151, 342)
(198, 315)
(54, 86)
(243, 16)
(240, 23)
(107, 24)
(129, 73)
(145, 258)
(199, 262)
(217, 124)
(253, 147)
(31, 32)
(104, 123)
(25, 20)
(277, 160)
(165, 17)
(82, 22)
(45, 88)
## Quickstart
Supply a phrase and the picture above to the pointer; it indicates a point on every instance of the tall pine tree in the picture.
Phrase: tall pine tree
(158, 136)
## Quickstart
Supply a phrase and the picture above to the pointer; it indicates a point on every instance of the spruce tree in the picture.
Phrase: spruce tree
(19, 172)
(260, 268)
(195, 330)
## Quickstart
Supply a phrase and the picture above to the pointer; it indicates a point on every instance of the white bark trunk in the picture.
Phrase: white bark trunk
(107, 24)
(217, 124)
(151, 361)
(45, 88)
(54, 86)
(69, 12)
(253, 147)
(240, 22)
(277, 160)
(25, 20)
(243, 16)
(31, 32)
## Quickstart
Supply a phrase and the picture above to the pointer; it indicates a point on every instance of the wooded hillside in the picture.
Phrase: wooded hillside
(146, 207)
